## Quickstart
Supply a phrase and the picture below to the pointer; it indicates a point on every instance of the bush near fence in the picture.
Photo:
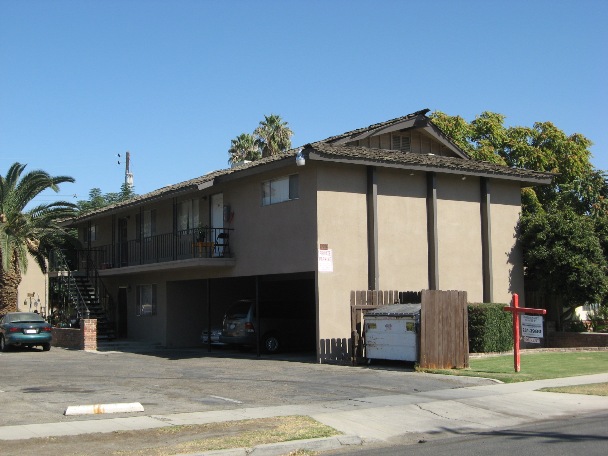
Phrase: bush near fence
(490, 328)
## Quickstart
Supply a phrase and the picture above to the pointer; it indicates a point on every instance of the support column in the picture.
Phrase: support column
(431, 230)
(373, 278)
(486, 240)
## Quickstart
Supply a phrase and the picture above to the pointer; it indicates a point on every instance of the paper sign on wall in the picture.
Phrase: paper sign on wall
(326, 261)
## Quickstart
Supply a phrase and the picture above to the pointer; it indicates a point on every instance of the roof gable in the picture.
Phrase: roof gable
(415, 121)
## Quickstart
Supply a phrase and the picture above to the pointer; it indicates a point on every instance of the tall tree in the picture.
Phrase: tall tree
(97, 199)
(563, 225)
(35, 231)
(273, 135)
(244, 147)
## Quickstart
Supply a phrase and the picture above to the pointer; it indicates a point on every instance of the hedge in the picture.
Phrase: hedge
(490, 328)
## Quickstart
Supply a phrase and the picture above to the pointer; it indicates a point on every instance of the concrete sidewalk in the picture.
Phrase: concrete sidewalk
(380, 418)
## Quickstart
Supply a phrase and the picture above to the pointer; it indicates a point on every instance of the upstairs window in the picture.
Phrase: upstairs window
(90, 233)
(279, 190)
(400, 142)
(146, 224)
(187, 215)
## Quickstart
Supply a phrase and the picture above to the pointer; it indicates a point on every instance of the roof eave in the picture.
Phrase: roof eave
(541, 179)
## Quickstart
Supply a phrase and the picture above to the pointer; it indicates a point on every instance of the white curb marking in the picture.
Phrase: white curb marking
(103, 408)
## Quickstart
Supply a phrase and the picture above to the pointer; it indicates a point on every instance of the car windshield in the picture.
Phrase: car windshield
(23, 317)
(238, 310)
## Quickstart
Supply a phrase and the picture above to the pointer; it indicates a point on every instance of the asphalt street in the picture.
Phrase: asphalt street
(36, 387)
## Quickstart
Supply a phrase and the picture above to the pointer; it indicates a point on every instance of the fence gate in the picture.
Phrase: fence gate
(444, 338)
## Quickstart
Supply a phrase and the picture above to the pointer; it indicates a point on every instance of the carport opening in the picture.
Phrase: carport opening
(286, 321)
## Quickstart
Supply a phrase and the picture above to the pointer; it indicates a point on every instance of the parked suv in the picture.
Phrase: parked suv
(283, 324)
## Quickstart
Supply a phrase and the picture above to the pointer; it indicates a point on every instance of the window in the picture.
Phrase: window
(90, 233)
(187, 215)
(400, 142)
(146, 224)
(146, 300)
(279, 190)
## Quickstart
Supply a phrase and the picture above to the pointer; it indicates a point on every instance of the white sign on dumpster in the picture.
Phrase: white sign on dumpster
(532, 326)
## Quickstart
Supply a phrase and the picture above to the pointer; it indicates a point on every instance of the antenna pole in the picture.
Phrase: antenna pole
(128, 174)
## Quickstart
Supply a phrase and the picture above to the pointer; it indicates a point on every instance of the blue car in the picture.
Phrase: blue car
(24, 329)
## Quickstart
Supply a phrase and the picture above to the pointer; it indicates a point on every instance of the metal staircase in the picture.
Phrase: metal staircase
(79, 298)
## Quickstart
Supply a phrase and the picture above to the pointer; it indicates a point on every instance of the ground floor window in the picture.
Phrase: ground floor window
(146, 300)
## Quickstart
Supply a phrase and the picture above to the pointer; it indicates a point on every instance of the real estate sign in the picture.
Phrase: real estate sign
(532, 328)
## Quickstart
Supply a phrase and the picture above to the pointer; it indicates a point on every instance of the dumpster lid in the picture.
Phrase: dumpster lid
(396, 310)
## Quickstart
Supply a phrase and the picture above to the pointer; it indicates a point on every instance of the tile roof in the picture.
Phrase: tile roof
(376, 126)
(189, 185)
(325, 150)
(423, 162)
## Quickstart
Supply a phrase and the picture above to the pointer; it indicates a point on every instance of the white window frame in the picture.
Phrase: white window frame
(281, 189)
(188, 215)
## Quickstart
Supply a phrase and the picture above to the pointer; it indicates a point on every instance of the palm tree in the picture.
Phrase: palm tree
(243, 147)
(35, 231)
(273, 135)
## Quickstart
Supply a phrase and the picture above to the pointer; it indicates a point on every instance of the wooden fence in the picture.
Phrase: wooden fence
(444, 335)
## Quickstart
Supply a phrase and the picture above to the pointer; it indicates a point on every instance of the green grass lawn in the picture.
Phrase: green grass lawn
(534, 366)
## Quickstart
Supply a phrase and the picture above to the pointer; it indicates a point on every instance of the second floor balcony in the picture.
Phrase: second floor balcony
(210, 247)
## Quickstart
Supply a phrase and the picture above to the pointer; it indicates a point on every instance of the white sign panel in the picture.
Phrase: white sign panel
(532, 326)
(326, 261)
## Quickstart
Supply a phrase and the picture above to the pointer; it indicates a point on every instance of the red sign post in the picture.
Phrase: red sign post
(516, 310)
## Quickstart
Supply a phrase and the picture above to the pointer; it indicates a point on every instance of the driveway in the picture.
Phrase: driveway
(36, 387)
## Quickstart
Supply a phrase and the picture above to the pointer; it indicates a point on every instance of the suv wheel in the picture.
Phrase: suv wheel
(271, 343)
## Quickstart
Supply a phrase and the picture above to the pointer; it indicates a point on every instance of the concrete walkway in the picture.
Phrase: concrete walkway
(372, 419)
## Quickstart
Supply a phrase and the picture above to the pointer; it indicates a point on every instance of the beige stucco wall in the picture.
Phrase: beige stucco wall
(341, 206)
(507, 262)
(459, 235)
(402, 234)
(331, 209)
(33, 281)
(274, 239)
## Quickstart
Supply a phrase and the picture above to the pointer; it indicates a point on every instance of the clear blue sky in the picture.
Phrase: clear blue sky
(174, 81)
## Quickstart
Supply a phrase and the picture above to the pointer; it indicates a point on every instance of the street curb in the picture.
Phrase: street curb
(281, 448)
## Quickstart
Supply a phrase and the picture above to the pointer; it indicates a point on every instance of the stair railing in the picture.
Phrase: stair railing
(105, 297)
(73, 292)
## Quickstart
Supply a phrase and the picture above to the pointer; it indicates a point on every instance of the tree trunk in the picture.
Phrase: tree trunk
(9, 282)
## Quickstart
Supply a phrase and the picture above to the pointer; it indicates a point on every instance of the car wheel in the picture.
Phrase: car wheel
(46, 347)
(271, 343)
(3, 346)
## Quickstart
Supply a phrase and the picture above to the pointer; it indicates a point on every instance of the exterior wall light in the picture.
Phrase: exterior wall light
(300, 160)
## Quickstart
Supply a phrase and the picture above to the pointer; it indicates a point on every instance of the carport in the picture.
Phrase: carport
(200, 304)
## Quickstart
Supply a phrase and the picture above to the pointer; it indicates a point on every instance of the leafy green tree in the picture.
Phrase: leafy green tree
(273, 135)
(564, 258)
(35, 231)
(563, 225)
(244, 147)
(543, 147)
(98, 200)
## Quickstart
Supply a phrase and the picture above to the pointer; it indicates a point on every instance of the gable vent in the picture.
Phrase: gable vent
(400, 142)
